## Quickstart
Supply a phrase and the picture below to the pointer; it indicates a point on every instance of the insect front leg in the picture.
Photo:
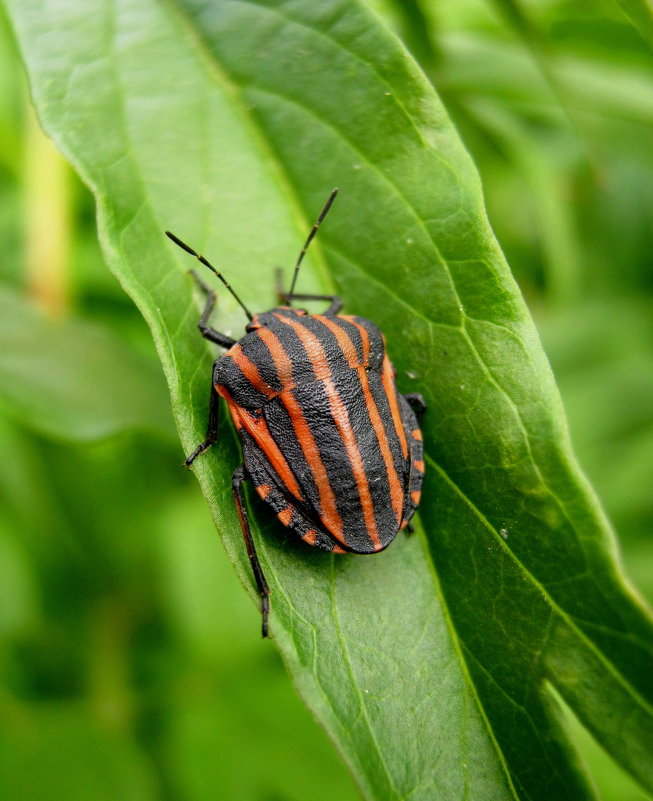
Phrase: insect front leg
(205, 329)
(211, 427)
(239, 476)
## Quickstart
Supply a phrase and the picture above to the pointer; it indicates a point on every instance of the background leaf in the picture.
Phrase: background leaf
(641, 14)
(233, 122)
(110, 768)
(74, 380)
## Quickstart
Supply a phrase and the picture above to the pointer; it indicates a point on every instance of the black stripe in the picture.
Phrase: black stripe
(377, 347)
(353, 332)
(314, 403)
(302, 367)
(377, 389)
(262, 472)
(244, 393)
(316, 407)
(283, 433)
(257, 352)
(381, 398)
(349, 387)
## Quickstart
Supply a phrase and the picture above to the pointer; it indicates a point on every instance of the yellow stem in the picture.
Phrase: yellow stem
(48, 221)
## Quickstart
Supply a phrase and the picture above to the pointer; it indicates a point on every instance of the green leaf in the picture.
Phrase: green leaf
(57, 751)
(540, 168)
(72, 379)
(19, 601)
(609, 344)
(480, 66)
(429, 665)
(640, 13)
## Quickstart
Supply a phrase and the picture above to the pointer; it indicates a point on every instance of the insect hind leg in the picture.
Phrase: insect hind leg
(240, 475)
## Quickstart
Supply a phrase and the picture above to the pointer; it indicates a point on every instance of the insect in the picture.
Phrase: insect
(327, 440)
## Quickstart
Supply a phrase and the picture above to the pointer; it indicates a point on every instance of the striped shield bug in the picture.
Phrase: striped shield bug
(327, 439)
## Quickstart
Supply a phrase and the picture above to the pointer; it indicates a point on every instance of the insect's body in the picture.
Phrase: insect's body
(327, 440)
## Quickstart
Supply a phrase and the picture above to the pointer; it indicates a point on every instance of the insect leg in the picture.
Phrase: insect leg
(207, 332)
(211, 428)
(334, 301)
(239, 476)
(417, 403)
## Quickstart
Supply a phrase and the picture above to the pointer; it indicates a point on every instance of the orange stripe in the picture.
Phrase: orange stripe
(391, 392)
(329, 511)
(310, 536)
(415, 495)
(322, 372)
(416, 434)
(231, 405)
(419, 465)
(344, 340)
(285, 515)
(282, 363)
(365, 337)
(257, 427)
(347, 346)
(388, 384)
(263, 490)
(250, 371)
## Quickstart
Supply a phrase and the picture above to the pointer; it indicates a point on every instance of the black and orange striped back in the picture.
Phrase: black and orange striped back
(319, 390)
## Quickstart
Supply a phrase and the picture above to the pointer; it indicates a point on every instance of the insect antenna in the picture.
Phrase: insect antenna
(208, 264)
(309, 239)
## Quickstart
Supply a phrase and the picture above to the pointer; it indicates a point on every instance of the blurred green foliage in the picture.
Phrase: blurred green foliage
(129, 665)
